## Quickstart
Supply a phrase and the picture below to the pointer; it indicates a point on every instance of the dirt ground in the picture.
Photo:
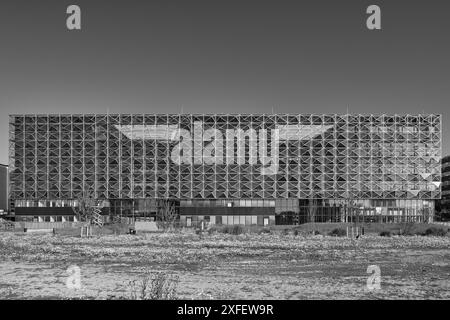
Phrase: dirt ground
(223, 266)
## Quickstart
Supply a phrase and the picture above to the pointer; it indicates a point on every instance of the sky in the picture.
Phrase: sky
(224, 56)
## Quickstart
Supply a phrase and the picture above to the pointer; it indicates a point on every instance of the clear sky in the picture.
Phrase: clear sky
(224, 56)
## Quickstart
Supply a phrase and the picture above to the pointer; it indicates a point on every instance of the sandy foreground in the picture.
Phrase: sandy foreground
(222, 266)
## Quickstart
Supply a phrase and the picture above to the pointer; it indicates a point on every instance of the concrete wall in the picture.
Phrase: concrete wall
(145, 226)
(47, 225)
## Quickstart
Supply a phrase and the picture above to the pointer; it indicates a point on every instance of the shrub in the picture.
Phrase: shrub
(264, 230)
(234, 229)
(385, 233)
(338, 232)
(158, 286)
(295, 232)
(433, 231)
(408, 229)
(316, 232)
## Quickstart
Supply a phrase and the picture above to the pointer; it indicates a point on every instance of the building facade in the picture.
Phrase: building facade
(443, 205)
(3, 189)
(229, 169)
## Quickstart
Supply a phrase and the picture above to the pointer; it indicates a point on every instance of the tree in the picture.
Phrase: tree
(312, 209)
(88, 209)
(166, 213)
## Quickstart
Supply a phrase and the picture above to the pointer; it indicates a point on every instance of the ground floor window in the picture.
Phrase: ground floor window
(46, 218)
(188, 222)
(193, 221)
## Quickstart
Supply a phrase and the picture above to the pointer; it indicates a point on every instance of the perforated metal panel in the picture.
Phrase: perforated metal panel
(326, 156)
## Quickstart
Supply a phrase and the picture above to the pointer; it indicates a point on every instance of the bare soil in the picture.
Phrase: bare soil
(223, 266)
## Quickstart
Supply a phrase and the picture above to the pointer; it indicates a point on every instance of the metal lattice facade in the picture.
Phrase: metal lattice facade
(327, 156)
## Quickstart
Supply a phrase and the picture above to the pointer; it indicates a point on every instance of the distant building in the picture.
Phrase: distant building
(443, 205)
(3, 189)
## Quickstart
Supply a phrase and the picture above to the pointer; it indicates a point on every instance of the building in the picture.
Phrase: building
(443, 205)
(3, 189)
(229, 169)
